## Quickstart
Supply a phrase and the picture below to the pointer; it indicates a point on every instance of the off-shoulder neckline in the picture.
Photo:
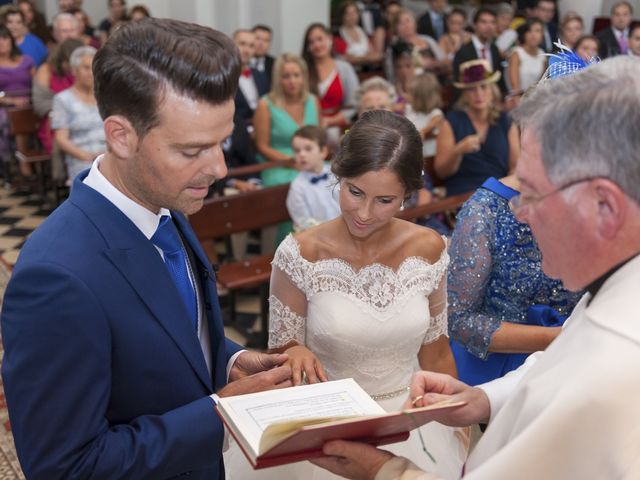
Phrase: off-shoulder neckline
(356, 271)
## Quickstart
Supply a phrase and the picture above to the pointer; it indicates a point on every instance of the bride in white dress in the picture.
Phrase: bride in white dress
(364, 295)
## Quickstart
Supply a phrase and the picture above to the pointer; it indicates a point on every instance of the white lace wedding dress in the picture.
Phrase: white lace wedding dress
(367, 324)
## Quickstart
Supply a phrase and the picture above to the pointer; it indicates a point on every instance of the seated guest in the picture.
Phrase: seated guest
(85, 27)
(239, 152)
(372, 22)
(353, 44)
(28, 43)
(403, 72)
(498, 294)
(456, 35)
(52, 77)
(587, 47)
(634, 41)
(287, 107)
(545, 10)
(262, 62)
(571, 29)
(481, 45)
(477, 140)
(35, 21)
(252, 85)
(389, 11)
(334, 81)
(16, 71)
(506, 36)
(614, 40)
(117, 15)
(375, 93)
(64, 26)
(433, 22)
(424, 111)
(139, 12)
(426, 53)
(527, 62)
(75, 118)
(313, 195)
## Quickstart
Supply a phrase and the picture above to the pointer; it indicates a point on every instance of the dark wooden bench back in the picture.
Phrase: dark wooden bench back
(23, 121)
(222, 216)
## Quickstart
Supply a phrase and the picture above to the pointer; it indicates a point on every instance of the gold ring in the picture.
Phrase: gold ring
(416, 400)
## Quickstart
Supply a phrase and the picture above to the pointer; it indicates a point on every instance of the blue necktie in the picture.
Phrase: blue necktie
(317, 178)
(167, 239)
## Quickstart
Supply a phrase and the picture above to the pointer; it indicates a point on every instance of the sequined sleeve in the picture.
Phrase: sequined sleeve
(469, 272)
(287, 300)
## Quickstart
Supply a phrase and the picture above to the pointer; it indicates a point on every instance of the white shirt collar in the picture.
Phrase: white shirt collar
(478, 44)
(144, 219)
(617, 32)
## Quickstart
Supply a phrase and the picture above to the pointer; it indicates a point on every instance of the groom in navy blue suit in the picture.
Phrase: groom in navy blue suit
(114, 344)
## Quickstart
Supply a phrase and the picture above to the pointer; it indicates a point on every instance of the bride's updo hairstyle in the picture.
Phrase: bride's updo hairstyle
(379, 140)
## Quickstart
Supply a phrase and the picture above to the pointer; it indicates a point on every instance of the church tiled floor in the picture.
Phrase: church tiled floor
(21, 214)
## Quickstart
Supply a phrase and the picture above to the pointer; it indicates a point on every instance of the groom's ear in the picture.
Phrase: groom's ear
(121, 137)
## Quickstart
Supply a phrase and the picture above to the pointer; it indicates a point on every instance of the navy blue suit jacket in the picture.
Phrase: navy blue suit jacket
(103, 371)
(243, 109)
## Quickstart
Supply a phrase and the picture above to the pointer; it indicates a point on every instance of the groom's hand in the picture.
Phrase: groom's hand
(249, 363)
(256, 372)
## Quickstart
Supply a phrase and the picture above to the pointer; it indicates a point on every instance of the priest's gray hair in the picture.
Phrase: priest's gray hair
(588, 124)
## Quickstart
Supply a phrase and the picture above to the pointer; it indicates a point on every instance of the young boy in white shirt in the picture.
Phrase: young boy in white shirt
(313, 195)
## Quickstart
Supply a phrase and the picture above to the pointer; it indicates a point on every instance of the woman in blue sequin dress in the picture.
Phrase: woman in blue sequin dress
(501, 305)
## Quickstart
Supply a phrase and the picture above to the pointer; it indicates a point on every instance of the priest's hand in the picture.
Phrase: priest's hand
(428, 388)
(357, 461)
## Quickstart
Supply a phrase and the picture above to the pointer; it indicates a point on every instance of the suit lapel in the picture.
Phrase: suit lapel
(142, 267)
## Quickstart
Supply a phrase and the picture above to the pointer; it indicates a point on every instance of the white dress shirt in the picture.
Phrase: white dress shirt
(249, 89)
(478, 45)
(148, 222)
(310, 203)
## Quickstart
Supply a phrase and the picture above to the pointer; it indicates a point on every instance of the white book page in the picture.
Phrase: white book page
(254, 412)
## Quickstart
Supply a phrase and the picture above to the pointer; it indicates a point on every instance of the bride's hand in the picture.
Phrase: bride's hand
(304, 363)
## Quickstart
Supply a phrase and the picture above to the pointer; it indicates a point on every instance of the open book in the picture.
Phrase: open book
(289, 425)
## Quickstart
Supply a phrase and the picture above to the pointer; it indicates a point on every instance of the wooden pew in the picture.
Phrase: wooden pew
(23, 124)
(223, 216)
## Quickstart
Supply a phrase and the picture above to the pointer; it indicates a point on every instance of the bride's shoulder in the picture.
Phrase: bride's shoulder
(316, 242)
(419, 241)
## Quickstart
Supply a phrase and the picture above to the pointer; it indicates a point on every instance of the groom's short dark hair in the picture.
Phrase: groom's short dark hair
(141, 59)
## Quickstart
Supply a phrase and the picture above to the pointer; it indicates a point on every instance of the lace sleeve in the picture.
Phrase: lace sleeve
(469, 272)
(287, 300)
(438, 303)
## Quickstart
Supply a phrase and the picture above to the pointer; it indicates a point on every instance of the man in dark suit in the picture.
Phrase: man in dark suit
(434, 21)
(545, 10)
(481, 46)
(252, 85)
(614, 40)
(114, 345)
(262, 62)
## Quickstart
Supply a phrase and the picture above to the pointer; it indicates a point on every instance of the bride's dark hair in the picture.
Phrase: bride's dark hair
(378, 140)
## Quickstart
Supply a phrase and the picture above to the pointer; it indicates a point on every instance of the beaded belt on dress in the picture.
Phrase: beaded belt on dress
(392, 394)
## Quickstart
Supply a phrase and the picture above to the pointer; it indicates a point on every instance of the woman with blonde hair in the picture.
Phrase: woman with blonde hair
(287, 107)
(477, 140)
